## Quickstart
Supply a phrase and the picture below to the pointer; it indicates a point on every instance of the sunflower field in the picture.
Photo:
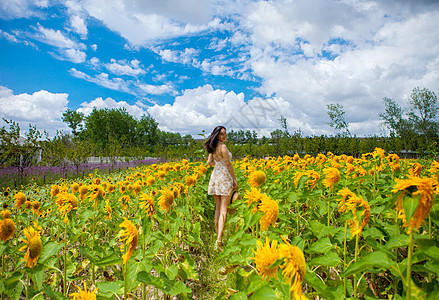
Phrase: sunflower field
(324, 227)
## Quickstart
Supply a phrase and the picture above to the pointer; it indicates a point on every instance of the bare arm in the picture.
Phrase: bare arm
(210, 159)
(229, 166)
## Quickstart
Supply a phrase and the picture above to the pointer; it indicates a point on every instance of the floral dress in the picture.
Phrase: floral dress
(221, 181)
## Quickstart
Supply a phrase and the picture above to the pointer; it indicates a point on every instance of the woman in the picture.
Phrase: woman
(223, 180)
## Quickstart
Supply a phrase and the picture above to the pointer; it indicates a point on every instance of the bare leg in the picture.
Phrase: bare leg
(217, 210)
(224, 202)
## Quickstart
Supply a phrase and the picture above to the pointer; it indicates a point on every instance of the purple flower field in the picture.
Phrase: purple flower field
(14, 177)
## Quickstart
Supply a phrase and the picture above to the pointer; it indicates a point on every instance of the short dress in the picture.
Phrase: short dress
(221, 182)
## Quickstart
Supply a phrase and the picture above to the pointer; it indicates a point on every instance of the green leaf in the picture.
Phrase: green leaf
(265, 292)
(377, 259)
(410, 204)
(90, 255)
(53, 295)
(331, 259)
(323, 245)
(239, 296)
(113, 259)
(189, 269)
(148, 279)
(323, 290)
(172, 271)
(428, 247)
(37, 275)
(110, 289)
(12, 281)
(401, 240)
(48, 250)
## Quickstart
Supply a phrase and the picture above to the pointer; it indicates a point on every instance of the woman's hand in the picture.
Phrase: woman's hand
(235, 184)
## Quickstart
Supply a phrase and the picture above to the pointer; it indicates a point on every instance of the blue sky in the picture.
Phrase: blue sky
(196, 64)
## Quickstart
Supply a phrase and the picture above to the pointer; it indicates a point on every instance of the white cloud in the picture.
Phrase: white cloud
(94, 47)
(134, 110)
(15, 9)
(103, 79)
(68, 49)
(123, 67)
(142, 21)
(43, 109)
(204, 108)
(188, 56)
(77, 22)
(156, 89)
(383, 57)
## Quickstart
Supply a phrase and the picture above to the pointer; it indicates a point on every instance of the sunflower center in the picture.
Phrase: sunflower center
(35, 246)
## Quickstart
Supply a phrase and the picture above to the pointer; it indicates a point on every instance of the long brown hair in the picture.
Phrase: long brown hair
(212, 141)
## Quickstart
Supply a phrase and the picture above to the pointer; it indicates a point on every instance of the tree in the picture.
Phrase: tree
(102, 124)
(73, 120)
(424, 112)
(147, 131)
(336, 114)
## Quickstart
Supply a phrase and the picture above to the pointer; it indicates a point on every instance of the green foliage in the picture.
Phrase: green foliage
(336, 114)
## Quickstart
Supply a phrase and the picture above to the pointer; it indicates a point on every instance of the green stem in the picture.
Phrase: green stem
(429, 236)
(409, 267)
(144, 255)
(356, 255)
(92, 249)
(329, 212)
(125, 281)
(345, 258)
(65, 262)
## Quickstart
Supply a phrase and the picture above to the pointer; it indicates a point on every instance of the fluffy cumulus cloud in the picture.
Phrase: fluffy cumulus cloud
(124, 67)
(204, 107)
(374, 53)
(141, 21)
(43, 109)
(134, 110)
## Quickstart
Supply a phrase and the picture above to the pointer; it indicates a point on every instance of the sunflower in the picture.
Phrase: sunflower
(108, 209)
(265, 256)
(128, 236)
(36, 207)
(6, 214)
(83, 294)
(97, 192)
(190, 180)
(34, 246)
(54, 190)
(166, 199)
(110, 188)
(147, 203)
(83, 190)
(415, 169)
(351, 203)
(332, 176)
(313, 177)
(136, 188)
(150, 180)
(415, 187)
(271, 211)
(66, 203)
(294, 267)
(160, 174)
(20, 199)
(253, 196)
(125, 200)
(257, 178)
(28, 204)
(74, 187)
(7, 229)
